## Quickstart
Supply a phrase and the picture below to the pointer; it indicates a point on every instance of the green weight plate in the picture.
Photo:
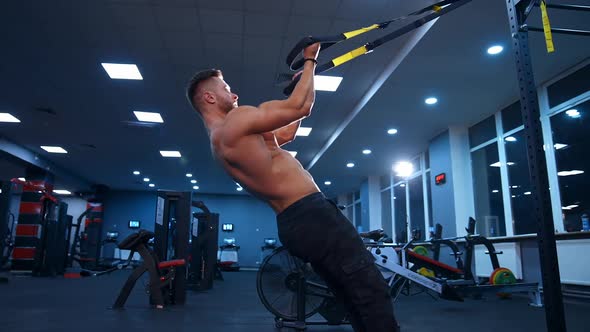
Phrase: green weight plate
(421, 250)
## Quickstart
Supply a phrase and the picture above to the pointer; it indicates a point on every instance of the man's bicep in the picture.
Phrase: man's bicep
(249, 121)
(270, 116)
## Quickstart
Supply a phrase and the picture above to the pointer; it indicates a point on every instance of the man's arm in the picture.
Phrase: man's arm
(272, 115)
(287, 133)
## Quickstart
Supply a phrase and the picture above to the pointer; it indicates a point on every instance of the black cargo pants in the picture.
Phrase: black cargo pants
(315, 230)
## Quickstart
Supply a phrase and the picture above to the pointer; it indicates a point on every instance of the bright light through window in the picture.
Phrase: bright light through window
(570, 173)
(403, 169)
(573, 113)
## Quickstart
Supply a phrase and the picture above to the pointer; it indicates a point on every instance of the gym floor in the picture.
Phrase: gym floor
(45, 304)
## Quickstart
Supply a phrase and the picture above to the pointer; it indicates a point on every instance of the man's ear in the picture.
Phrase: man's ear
(209, 97)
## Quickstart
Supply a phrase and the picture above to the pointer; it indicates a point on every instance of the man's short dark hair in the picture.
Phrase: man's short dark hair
(199, 77)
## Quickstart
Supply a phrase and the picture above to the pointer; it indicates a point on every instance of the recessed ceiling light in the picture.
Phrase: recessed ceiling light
(7, 117)
(303, 131)
(136, 173)
(239, 188)
(122, 71)
(392, 131)
(367, 151)
(573, 113)
(431, 101)
(146, 179)
(403, 168)
(559, 146)
(193, 181)
(570, 173)
(189, 175)
(62, 192)
(293, 153)
(22, 179)
(495, 191)
(196, 187)
(513, 196)
(148, 117)
(350, 165)
(152, 185)
(326, 83)
(403, 185)
(496, 49)
(527, 193)
(170, 154)
(327, 183)
(510, 139)
(53, 149)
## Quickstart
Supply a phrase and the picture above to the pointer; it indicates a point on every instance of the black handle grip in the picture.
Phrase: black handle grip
(296, 50)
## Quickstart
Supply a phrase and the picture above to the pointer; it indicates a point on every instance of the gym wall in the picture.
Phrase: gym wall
(122, 206)
(253, 221)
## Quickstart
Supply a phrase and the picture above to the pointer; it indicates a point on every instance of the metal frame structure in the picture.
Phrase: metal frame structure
(518, 11)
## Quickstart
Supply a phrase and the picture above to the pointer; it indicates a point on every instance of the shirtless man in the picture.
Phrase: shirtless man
(247, 141)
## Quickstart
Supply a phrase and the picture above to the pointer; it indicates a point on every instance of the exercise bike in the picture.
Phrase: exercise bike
(293, 292)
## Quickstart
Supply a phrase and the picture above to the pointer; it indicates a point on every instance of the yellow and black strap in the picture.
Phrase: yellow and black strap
(295, 61)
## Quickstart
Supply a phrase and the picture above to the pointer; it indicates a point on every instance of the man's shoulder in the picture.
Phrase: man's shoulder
(240, 110)
(229, 133)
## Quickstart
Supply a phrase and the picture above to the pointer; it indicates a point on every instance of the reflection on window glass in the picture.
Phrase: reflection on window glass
(519, 184)
(357, 195)
(511, 117)
(349, 199)
(417, 206)
(416, 163)
(348, 213)
(427, 160)
(386, 220)
(482, 132)
(569, 87)
(571, 140)
(487, 190)
(429, 196)
(357, 216)
(399, 201)
(384, 181)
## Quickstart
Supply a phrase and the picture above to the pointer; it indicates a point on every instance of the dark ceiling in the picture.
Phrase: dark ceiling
(53, 50)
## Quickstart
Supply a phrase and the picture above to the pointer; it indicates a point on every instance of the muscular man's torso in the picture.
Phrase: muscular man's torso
(263, 168)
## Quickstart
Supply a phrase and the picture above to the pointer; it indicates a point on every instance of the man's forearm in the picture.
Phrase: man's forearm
(304, 93)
